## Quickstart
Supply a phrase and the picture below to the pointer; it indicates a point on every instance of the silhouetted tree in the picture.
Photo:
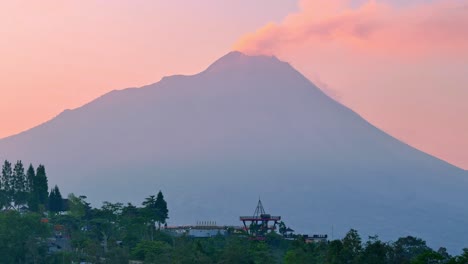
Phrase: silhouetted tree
(428, 257)
(375, 252)
(19, 184)
(149, 213)
(30, 174)
(156, 209)
(55, 200)
(41, 186)
(351, 246)
(7, 184)
(153, 252)
(405, 249)
(23, 238)
(33, 199)
(161, 210)
(335, 252)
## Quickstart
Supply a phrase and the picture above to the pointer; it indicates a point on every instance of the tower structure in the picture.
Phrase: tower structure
(260, 223)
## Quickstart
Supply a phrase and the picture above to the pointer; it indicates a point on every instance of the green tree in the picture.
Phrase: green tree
(105, 222)
(76, 206)
(375, 252)
(150, 214)
(61, 257)
(156, 210)
(133, 225)
(352, 246)
(33, 202)
(103, 230)
(297, 253)
(445, 255)
(261, 253)
(335, 252)
(428, 257)
(55, 200)
(118, 255)
(7, 184)
(153, 252)
(19, 184)
(161, 209)
(111, 211)
(41, 186)
(30, 174)
(407, 248)
(22, 238)
(236, 251)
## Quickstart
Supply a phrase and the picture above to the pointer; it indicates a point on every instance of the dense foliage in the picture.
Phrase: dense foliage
(19, 189)
(118, 233)
(22, 238)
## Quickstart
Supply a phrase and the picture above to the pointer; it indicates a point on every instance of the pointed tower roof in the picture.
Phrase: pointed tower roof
(259, 210)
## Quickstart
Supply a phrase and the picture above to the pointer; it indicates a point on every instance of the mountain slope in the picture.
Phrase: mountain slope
(248, 127)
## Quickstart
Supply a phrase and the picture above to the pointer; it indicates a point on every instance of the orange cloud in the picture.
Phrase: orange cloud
(439, 27)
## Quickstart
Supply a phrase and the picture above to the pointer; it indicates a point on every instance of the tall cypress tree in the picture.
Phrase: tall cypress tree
(19, 195)
(30, 174)
(161, 209)
(7, 188)
(3, 196)
(55, 200)
(33, 198)
(41, 186)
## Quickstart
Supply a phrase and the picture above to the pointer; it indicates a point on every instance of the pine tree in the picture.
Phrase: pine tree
(40, 185)
(33, 199)
(155, 211)
(55, 200)
(3, 196)
(7, 188)
(161, 209)
(30, 174)
(19, 195)
(149, 213)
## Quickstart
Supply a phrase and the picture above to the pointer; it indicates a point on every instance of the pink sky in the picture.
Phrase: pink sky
(402, 67)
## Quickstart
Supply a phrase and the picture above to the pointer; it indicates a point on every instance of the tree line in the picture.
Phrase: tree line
(117, 233)
(352, 250)
(19, 188)
(27, 189)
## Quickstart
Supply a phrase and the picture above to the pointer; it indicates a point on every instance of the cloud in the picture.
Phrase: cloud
(438, 27)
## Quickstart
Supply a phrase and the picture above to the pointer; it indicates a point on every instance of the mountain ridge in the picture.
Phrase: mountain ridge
(235, 58)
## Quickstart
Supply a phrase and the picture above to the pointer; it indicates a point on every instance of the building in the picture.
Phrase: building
(315, 238)
(200, 230)
(207, 232)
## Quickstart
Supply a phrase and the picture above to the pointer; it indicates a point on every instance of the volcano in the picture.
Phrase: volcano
(245, 127)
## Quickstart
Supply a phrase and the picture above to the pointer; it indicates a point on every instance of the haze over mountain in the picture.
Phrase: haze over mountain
(249, 126)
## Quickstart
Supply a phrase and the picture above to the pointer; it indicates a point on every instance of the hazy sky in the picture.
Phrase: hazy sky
(402, 65)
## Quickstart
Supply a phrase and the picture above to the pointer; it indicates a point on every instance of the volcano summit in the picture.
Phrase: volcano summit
(249, 126)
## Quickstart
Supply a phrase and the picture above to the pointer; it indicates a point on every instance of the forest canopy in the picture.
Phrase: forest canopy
(41, 226)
